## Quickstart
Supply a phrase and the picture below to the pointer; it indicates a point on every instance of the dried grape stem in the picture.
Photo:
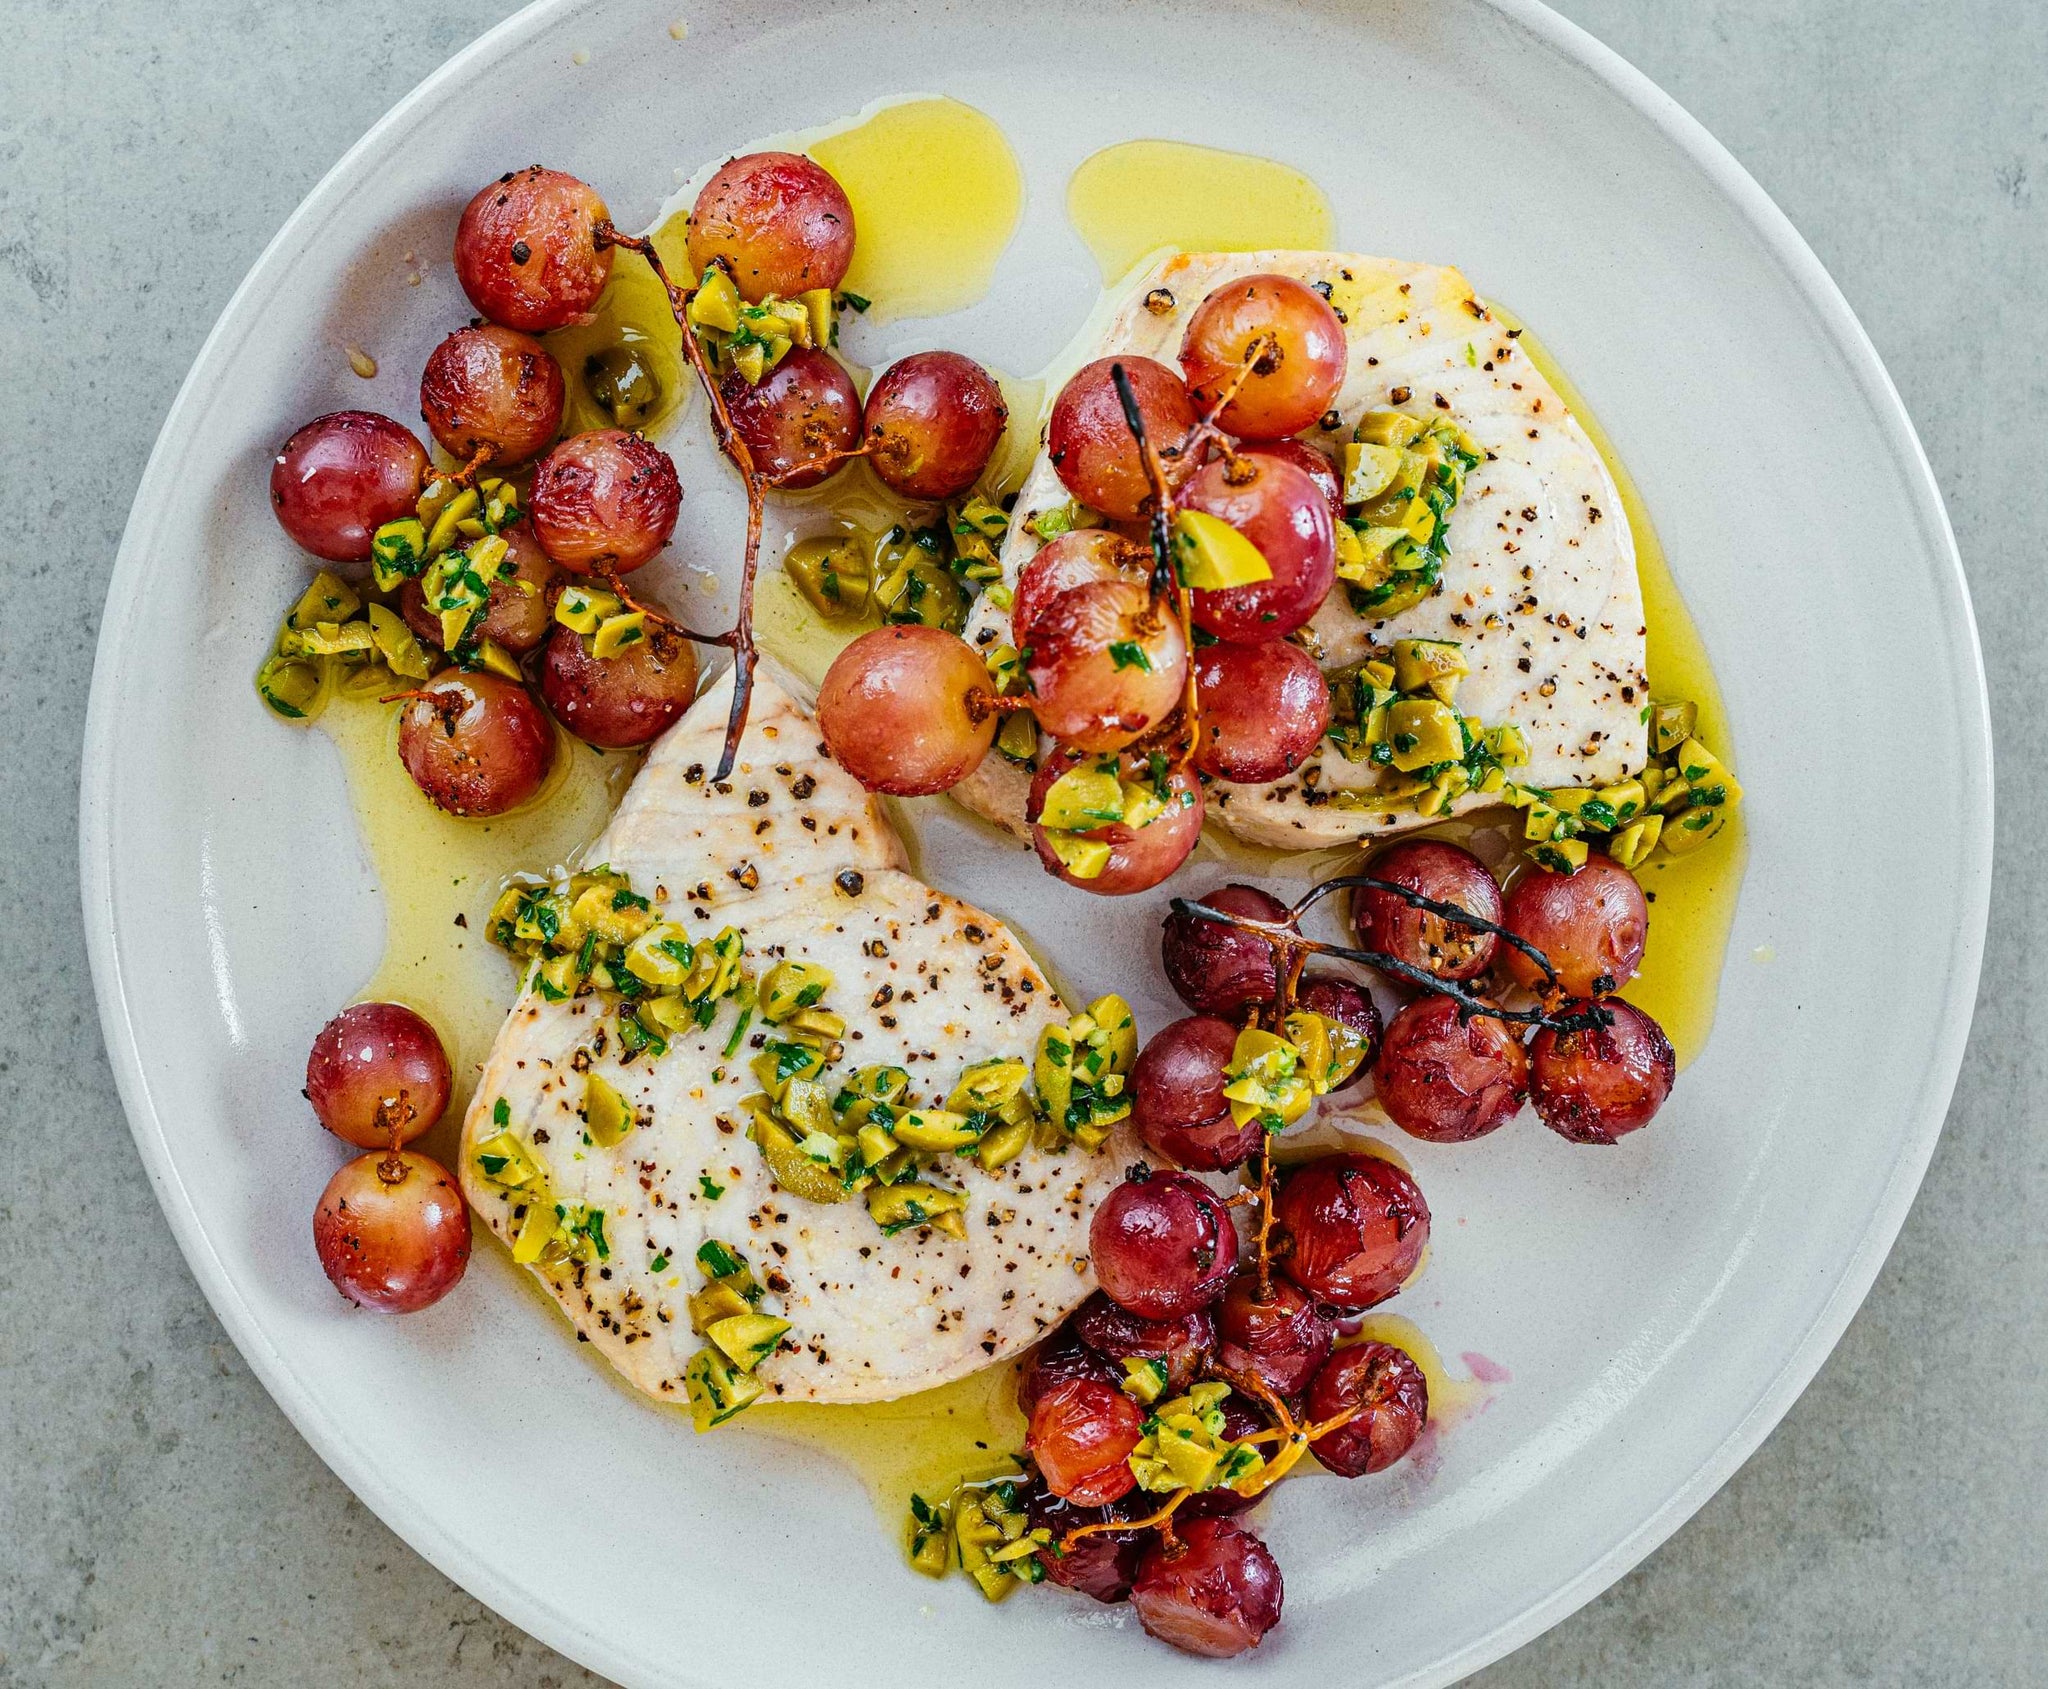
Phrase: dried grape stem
(479, 461)
(1207, 430)
(1287, 935)
(1165, 577)
(740, 639)
(1161, 1521)
(1416, 900)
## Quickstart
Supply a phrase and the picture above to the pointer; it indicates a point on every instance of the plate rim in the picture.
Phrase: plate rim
(531, 1610)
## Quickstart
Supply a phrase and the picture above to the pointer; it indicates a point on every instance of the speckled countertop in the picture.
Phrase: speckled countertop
(161, 1523)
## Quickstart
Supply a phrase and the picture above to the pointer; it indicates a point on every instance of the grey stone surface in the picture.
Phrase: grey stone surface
(160, 1523)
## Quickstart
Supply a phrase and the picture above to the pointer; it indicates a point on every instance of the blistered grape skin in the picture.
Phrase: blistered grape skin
(908, 710)
(1163, 1246)
(606, 498)
(1217, 1597)
(1280, 1339)
(1596, 1085)
(492, 387)
(1389, 1386)
(392, 1231)
(777, 221)
(1312, 461)
(1436, 869)
(931, 423)
(1106, 665)
(1265, 708)
(1215, 968)
(1283, 513)
(803, 411)
(1100, 1566)
(514, 618)
(618, 702)
(1060, 1359)
(1351, 1228)
(340, 478)
(1336, 998)
(1177, 1101)
(475, 743)
(1073, 559)
(1139, 857)
(377, 1075)
(526, 250)
(1592, 925)
(1081, 1431)
(1183, 1344)
(1091, 444)
(1296, 374)
(1449, 1077)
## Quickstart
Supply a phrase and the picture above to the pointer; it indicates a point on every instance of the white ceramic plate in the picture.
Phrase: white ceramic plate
(1659, 1306)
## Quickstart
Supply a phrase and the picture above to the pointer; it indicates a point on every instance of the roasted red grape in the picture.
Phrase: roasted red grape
(628, 699)
(1099, 1566)
(932, 420)
(377, 1075)
(1396, 928)
(605, 498)
(1106, 665)
(1592, 924)
(1060, 1359)
(777, 221)
(1264, 709)
(1283, 513)
(518, 615)
(1218, 969)
(1139, 857)
(475, 743)
(1448, 1076)
(908, 710)
(1074, 559)
(803, 411)
(1280, 1338)
(1595, 1085)
(1339, 999)
(1217, 1596)
(1081, 1432)
(1312, 462)
(392, 1231)
(1351, 1228)
(342, 477)
(1296, 346)
(1177, 1101)
(492, 387)
(1162, 1245)
(1183, 1344)
(526, 250)
(1388, 1388)
(1091, 444)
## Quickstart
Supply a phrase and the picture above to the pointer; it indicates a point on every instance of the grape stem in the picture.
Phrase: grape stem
(1291, 947)
(1162, 1521)
(479, 461)
(393, 1114)
(739, 639)
(1166, 582)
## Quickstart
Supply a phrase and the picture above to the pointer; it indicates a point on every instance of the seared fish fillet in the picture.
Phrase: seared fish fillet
(793, 853)
(1540, 584)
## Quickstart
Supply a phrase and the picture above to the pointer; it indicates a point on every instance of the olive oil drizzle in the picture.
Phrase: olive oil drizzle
(1130, 200)
(1692, 897)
